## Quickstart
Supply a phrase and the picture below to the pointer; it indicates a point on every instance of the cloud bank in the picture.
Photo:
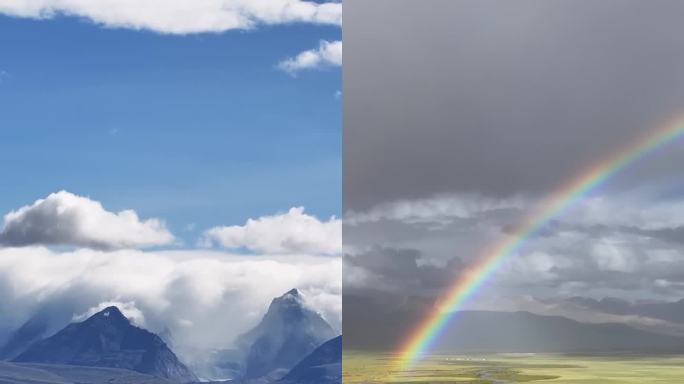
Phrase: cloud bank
(180, 16)
(195, 295)
(441, 209)
(294, 232)
(190, 297)
(589, 250)
(63, 218)
(328, 54)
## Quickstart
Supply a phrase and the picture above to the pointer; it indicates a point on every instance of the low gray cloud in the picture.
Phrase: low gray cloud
(589, 252)
(398, 270)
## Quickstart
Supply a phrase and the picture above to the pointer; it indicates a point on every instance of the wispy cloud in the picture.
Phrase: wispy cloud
(328, 54)
(4, 75)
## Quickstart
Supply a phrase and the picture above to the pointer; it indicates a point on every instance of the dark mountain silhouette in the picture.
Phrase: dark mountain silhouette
(33, 330)
(108, 339)
(322, 366)
(527, 332)
(369, 326)
(288, 332)
(44, 322)
(668, 311)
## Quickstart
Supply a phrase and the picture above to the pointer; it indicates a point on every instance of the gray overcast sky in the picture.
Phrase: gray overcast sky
(460, 115)
(500, 97)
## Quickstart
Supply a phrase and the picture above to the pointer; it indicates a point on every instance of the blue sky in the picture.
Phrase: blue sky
(199, 129)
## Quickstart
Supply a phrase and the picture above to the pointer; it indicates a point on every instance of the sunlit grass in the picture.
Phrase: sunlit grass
(374, 368)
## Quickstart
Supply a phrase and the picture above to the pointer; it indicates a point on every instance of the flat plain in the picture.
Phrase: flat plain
(374, 368)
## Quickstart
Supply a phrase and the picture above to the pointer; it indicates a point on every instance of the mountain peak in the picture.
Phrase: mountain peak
(109, 315)
(292, 294)
(110, 311)
(288, 332)
(108, 339)
(291, 304)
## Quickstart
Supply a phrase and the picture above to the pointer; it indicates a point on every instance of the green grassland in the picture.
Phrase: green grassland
(372, 368)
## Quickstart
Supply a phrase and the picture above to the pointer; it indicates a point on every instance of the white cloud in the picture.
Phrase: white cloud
(194, 294)
(634, 211)
(180, 16)
(63, 218)
(328, 53)
(441, 209)
(288, 233)
(621, 245)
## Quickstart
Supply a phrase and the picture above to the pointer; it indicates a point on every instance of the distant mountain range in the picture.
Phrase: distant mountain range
(33, 330)
(527, 332)
(668, 311)
(45, 322)
(288, 332)
(490, 331)
(291, 340)
(108, 339)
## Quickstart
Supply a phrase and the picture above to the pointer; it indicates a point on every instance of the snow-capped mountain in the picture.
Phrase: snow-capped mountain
(108, 339)
(289, 331)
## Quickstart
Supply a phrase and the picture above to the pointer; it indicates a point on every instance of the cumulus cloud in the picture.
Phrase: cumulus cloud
(294, 232)
(192, 294)
(180, 16)
(63, 218)
(328, 54)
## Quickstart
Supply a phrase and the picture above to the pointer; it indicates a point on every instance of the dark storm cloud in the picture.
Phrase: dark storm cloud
(502, 97)
(394, 269)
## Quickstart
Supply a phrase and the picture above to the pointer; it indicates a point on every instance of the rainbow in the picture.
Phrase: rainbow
(469, 282)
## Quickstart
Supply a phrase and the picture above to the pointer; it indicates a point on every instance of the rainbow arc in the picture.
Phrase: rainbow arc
(565, 197)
